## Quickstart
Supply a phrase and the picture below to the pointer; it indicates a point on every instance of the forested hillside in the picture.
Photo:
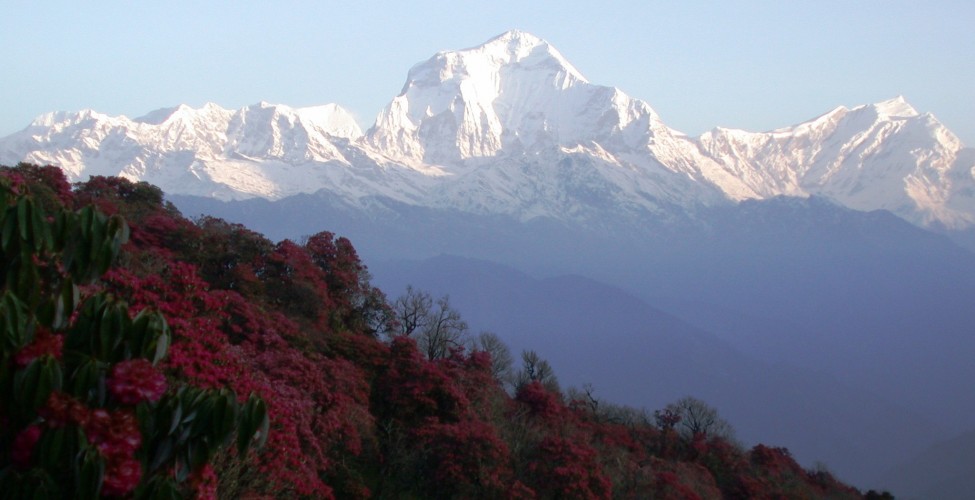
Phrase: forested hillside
(365, 396)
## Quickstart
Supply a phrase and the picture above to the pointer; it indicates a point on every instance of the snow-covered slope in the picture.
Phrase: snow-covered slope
(260, 150)
(881, 156)
(514, 94)
(512, 127)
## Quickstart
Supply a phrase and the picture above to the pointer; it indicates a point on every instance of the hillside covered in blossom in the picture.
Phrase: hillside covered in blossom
(365, 396)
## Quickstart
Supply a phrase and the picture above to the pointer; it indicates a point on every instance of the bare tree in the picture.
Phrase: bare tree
(444, 331)
(536, 369)
(697, 417)
(586, 398)
(604, 411)
(437, 327)
(412, 310)
(501, 360)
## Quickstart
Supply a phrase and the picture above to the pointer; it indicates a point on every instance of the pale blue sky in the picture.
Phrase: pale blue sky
(754, 65)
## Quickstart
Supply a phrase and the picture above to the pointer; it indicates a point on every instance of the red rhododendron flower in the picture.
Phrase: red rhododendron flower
(113, 433)
(23, 446)
(62, 409)
(122, 475)
(45, 343)
(116, 435)
(204, 483)
(135, 381)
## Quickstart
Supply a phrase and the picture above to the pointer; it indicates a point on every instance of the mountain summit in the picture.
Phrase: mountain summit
(515, 92)
(511, 127)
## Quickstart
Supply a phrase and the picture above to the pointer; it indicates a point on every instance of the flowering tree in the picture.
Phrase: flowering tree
(125, 383)
(85, 409)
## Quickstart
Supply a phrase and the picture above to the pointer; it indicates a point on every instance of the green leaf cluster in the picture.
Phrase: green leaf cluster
(47, 257)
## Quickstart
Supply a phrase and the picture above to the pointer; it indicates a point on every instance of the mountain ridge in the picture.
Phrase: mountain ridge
(511, 127)
(642, 356)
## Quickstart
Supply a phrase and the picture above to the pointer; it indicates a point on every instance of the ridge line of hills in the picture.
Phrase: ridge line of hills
(357, 408)
(511, 127)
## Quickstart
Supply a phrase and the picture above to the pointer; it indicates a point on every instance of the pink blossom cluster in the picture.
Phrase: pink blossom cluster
(204, 483)
(45, 343)
(202, 323)
(136, 380)
(115, 434)
(22, 449)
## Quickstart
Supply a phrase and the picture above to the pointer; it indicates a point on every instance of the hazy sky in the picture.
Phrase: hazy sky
(755, 65)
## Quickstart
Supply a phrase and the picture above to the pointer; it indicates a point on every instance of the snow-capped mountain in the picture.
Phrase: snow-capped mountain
(209, 151)
(881, 156)
(512, 95)
(511, 127)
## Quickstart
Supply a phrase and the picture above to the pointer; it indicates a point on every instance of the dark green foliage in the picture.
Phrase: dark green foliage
(84, 409)
(339, 407)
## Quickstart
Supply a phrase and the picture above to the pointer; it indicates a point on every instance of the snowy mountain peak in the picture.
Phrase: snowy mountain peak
(183, 114)
(513, 94)
(330, 119)
(897, 107)
(209, 151)
(64, 117)
(514, 41)
(159, 116)
(877, 156)
(519, 47)
(511, 127)
(512, 48)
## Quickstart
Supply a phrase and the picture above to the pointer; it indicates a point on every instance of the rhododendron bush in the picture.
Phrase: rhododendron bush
(85, 409)
(145, 355)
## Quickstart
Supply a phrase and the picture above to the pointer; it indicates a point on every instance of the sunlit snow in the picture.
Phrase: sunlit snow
(512, 127)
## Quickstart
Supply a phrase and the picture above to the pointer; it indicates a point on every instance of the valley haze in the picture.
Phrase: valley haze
(804, 279)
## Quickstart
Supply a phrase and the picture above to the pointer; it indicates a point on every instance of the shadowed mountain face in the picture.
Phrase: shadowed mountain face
(831, 331)
(637, 355)
(942, 471)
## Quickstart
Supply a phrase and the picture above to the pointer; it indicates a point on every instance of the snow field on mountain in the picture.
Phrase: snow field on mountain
(511, 127)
